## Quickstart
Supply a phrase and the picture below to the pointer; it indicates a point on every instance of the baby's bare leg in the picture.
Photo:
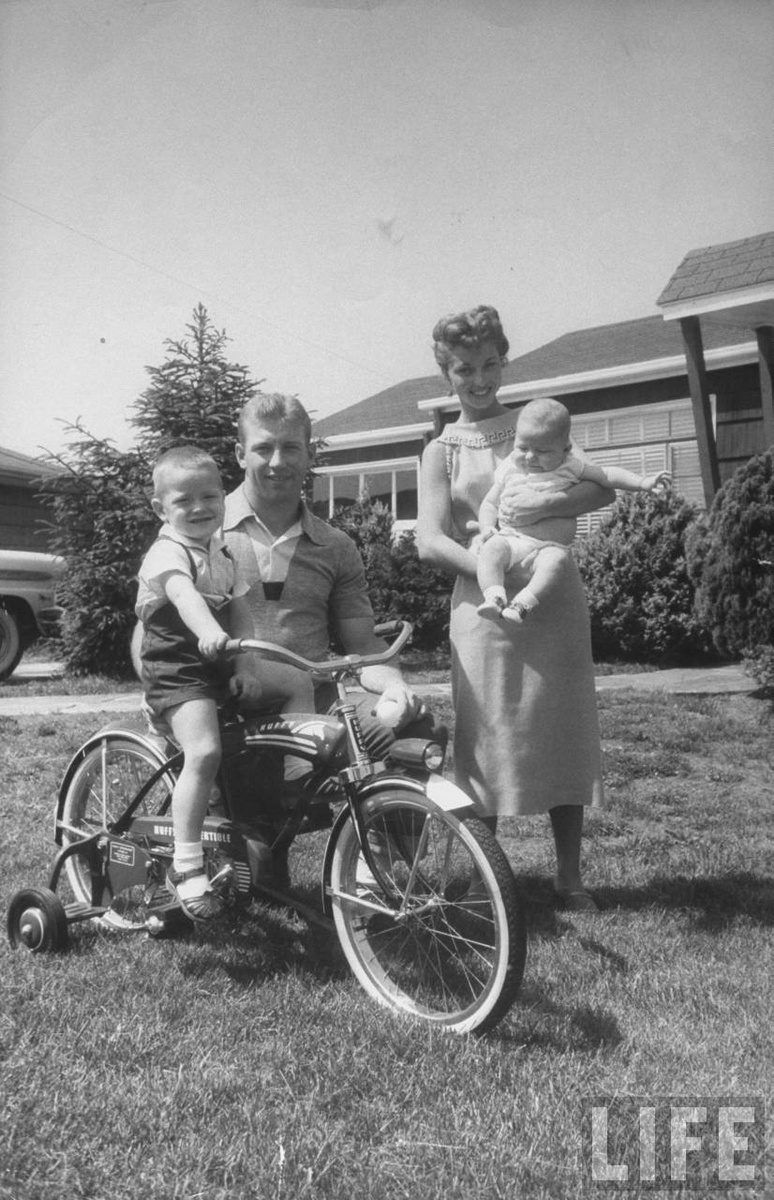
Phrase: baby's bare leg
(549, 564)
(493, 561)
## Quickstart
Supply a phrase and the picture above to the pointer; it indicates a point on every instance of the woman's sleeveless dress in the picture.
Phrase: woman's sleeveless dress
(527, 733)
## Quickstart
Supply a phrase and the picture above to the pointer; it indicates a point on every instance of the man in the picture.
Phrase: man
(307, 587)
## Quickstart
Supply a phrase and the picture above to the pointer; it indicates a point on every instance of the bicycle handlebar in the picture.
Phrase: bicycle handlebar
(329, 666)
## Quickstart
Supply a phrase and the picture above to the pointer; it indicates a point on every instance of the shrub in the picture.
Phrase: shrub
(730, 555)
(399, 585)
(103, 524)
(641, 598)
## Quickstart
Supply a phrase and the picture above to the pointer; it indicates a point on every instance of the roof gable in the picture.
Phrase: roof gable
(604, 346)
(727, 267)
(22, 468)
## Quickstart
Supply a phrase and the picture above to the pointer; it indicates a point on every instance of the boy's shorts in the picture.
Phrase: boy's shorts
(167, 684)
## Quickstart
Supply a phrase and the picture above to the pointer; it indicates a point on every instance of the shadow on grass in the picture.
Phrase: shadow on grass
(715, 902)
(270, 940)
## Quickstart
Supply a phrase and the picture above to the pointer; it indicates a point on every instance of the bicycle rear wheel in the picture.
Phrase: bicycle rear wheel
(101, 789)
(437, 931)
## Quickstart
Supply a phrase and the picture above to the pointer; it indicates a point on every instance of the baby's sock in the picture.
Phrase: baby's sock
(493, 603)
(189, 856)
(526, 600)
(521, 604)
(494, 594)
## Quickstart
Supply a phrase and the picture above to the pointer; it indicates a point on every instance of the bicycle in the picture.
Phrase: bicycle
(416, 887)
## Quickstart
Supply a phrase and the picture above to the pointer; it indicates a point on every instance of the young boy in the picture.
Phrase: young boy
(190, 601)
(542, 460)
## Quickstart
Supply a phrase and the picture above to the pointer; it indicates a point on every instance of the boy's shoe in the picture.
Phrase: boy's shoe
(198, 908)
(492, 609)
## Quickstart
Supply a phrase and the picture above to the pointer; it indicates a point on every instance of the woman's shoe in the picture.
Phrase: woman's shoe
(579, 901)
(199, 908)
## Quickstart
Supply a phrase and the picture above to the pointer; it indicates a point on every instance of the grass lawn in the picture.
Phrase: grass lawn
(247, 1063)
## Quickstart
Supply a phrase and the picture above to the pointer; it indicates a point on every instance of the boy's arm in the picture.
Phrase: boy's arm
(619, 477)
(195, 612)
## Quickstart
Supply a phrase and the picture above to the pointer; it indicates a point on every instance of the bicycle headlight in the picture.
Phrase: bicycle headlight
(417, 754)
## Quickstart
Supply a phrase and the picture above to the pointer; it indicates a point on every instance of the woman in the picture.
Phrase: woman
(527, 733)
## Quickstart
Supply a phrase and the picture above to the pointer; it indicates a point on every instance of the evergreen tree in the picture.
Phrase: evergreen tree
(194, 398)
(103, 519)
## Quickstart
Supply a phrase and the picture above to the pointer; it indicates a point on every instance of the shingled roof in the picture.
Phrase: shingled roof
(730, 266)
(20, 468)
(584, 350)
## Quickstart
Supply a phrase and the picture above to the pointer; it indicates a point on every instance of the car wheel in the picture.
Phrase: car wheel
(10, 643)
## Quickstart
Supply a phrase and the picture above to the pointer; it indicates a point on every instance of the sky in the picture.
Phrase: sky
(329, 178)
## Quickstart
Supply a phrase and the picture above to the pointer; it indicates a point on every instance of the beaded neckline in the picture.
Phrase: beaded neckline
(480, 433)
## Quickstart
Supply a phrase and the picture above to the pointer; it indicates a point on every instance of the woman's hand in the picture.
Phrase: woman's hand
(523, 505)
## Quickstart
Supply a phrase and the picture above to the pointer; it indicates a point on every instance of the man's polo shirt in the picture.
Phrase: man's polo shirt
(302, 583)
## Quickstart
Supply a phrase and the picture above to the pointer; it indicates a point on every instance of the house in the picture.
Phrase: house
(25, 520)
(689, 391)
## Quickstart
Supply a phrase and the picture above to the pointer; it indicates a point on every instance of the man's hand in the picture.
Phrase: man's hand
(397, 705)
(246, 685)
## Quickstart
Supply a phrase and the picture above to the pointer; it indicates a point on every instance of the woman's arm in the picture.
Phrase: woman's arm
(434, 543)
(527, 508)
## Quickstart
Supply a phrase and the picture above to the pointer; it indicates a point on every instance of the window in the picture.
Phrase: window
(394, 483)
(661, 437)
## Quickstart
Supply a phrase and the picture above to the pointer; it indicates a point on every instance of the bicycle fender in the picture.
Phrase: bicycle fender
(128, 735)
(446, 794)
(439, 791)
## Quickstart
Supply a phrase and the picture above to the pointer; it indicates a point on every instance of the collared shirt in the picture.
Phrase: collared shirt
(212, 569)
(302, 583)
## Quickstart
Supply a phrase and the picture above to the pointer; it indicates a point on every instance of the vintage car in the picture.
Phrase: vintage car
(28, 607)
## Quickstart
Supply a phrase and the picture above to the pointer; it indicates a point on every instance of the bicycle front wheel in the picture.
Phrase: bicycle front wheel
(436, 930)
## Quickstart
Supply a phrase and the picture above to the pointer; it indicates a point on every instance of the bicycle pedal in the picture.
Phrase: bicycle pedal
(223, 880)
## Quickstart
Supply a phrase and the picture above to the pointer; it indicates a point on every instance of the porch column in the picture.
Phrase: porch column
(702, 413)
(765, 337)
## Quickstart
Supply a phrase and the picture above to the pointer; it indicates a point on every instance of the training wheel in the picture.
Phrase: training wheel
(37, 920)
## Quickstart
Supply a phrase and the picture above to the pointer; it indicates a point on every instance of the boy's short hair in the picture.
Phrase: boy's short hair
(180, 458)
(549, 413)
(274, 406)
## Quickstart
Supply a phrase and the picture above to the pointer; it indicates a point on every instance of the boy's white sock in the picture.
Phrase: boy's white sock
(188, 855)
(494, 593)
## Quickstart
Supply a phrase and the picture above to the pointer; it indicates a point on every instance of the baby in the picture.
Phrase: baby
(191, 600)
(542, 460)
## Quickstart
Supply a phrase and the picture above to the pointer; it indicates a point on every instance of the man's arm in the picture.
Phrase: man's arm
(357, 636)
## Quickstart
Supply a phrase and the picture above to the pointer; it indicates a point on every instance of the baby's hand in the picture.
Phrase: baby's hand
(212, 643)
(659, 482)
